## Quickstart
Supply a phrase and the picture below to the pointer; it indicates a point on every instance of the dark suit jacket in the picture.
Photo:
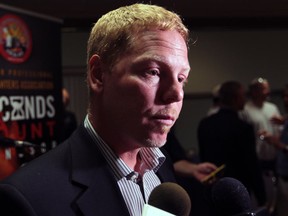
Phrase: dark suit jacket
(72, 179)
(224, 138)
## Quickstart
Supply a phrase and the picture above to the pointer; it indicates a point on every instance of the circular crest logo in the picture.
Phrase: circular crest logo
(15, 39)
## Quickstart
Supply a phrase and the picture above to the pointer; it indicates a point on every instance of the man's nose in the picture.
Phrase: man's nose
(173, 92)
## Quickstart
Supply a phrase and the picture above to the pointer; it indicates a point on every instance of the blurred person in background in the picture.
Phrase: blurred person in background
(262, 113)
(281, 143)
(225, 139)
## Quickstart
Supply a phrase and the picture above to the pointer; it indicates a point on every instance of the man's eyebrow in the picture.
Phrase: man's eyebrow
(161, 60)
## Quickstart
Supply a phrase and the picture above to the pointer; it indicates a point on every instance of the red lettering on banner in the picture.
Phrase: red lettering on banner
(51, 127)
(20, 131)
(36, 130)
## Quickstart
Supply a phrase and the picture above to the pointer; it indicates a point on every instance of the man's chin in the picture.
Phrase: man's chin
(155, 143)
(157, 140)
(158, 137)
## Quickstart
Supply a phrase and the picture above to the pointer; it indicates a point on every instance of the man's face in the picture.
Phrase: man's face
(142, 95)
(264, 91)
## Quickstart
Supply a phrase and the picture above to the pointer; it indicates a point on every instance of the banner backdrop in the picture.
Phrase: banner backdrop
(30, 84)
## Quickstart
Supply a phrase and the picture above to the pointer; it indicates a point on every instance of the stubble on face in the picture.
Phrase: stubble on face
(161, 130)
(158, 143)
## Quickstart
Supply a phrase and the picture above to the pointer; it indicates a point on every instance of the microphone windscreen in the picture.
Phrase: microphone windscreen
(230, 197)
(172, 198)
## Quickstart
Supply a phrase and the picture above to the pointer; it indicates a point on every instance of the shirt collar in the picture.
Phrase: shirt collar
(153, 157)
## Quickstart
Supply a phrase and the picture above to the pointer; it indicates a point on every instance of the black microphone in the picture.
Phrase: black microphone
(170, 197)
(7, 142)
(231, 198)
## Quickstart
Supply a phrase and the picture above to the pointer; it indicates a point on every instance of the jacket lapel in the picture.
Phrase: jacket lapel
(102, 197)
(90, 171)
(101, 194)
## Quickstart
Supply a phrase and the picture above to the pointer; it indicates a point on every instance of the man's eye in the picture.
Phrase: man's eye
(153, 72)
(181, 79)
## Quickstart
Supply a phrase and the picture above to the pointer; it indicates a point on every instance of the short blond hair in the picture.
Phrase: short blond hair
(113, 34)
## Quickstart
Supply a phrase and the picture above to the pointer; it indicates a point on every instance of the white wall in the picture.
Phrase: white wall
(242, 55)
(74, 70)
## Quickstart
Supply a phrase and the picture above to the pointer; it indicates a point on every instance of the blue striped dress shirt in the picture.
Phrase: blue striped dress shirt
(135, 187)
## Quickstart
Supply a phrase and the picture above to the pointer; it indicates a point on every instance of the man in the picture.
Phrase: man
(262, 114)
(137, 67)
(282, 164)
(281, 143)
(226, 139)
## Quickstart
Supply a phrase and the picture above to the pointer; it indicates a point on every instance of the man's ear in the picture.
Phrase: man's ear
(95, 73)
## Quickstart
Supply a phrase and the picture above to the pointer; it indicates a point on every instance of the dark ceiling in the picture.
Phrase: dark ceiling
(237, 13)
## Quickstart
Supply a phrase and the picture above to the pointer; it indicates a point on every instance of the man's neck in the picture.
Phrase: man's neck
(132, 159)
